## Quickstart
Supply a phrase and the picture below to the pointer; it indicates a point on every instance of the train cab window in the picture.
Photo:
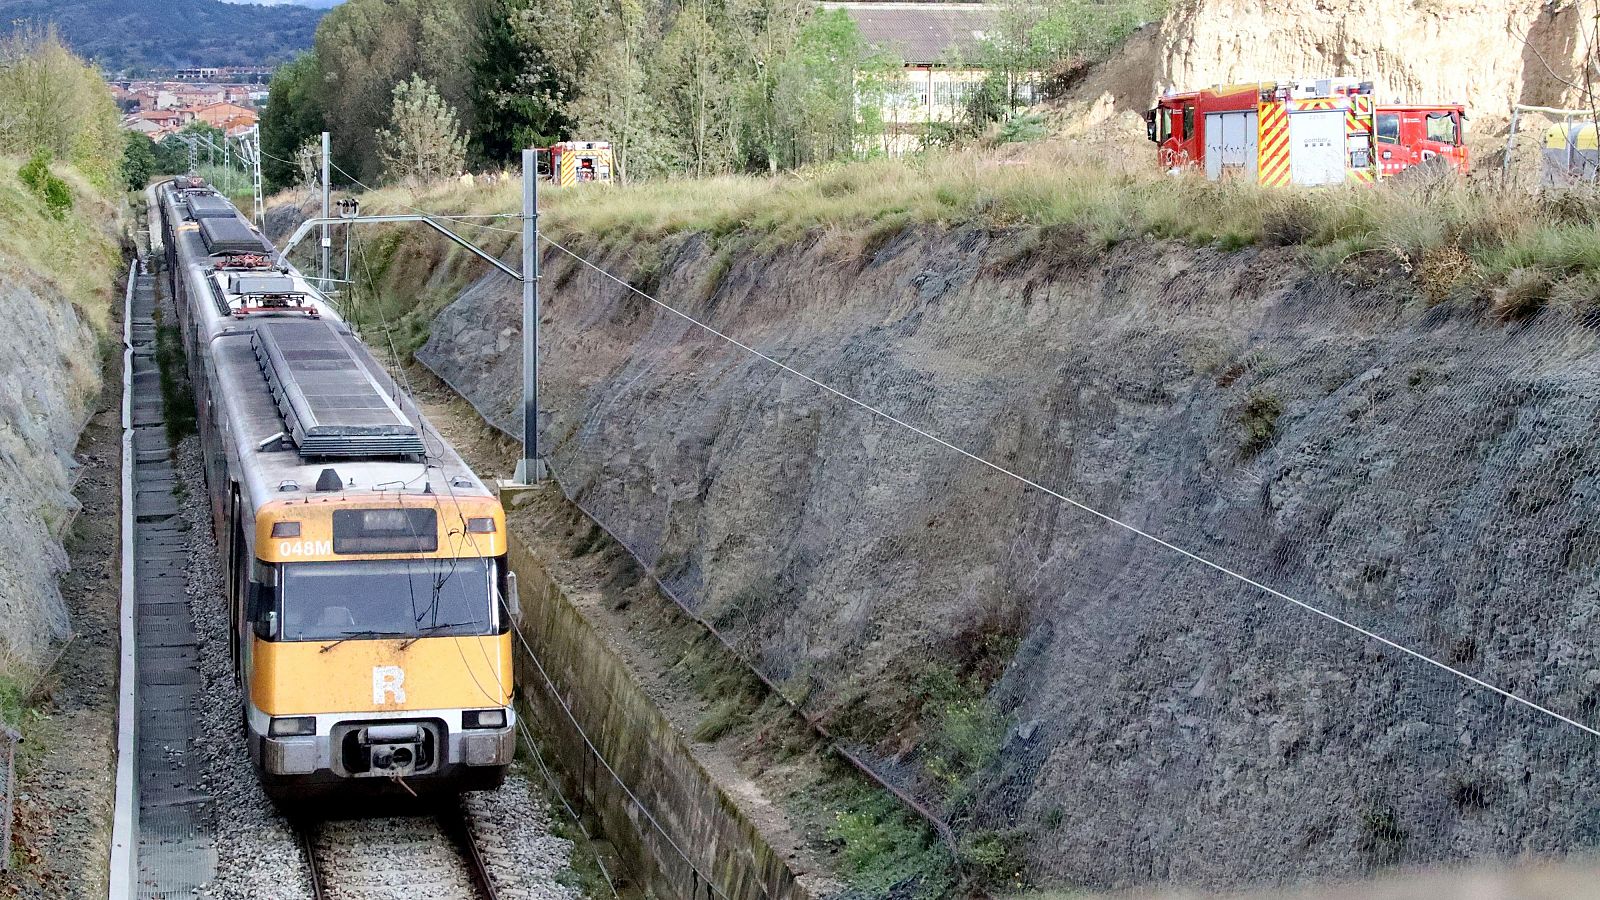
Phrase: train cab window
(1188, 122)
(1388, 128)
(388, 598)
(1165, 126)
(1442, 128)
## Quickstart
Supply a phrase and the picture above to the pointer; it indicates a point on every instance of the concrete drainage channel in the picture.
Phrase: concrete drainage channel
(162, 843)
(667, 816)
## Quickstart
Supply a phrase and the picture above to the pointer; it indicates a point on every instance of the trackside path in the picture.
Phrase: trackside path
(174, 851)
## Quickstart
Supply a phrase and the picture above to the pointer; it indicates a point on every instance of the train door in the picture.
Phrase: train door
(1316, 147)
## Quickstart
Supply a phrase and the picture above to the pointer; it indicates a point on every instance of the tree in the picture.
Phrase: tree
(365, 47)
(517, 96)
(616, 103)
(52, 101)
(294, 115)
(424, 138)
(695, 90)
(810, 112)
(138, 161)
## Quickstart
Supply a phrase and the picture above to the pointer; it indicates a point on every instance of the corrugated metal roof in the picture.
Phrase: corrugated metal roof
(924, 33)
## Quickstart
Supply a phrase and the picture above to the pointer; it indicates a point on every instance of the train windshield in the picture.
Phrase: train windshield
(387, 599)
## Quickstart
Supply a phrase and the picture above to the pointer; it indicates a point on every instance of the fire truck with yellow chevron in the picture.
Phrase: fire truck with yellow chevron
(1309, 133)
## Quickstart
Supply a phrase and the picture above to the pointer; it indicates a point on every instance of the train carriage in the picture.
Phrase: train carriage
(369, 598)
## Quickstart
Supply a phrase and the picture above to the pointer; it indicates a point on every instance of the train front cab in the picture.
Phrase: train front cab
(370, 669)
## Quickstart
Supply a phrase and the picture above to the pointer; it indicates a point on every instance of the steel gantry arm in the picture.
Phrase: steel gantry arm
(306, 227)
(532, 468)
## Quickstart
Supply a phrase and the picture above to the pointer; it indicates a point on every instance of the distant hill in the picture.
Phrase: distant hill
(319, 4)
(140, 35)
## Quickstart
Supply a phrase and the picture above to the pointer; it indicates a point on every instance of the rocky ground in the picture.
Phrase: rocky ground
(63, 825)
(259, 856)
(513, 829)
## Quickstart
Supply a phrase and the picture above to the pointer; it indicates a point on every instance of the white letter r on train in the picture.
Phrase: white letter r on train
(388, 681)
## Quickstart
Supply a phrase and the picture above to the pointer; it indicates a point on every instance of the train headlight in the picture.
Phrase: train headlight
(483, 718)
(293, 726)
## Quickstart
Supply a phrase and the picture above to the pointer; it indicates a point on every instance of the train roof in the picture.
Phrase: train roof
(300, 391)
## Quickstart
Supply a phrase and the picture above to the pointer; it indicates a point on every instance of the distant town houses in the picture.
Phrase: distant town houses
(160, 108)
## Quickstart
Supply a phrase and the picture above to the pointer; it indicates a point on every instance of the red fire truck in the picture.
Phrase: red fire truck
(1307, 133)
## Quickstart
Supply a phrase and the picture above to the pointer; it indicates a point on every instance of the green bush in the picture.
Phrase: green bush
(53, 191)
(36, 173)
(888, 852)
(57, 196)
(1259, 419)
(964, 731)
(1030, 127)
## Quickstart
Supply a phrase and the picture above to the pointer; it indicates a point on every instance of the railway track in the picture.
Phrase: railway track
(428, 857)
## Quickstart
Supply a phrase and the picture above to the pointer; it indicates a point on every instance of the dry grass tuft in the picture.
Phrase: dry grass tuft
(1440, 270)
(1523, 293)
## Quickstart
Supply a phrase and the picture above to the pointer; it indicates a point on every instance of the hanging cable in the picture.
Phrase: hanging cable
(1077, 504)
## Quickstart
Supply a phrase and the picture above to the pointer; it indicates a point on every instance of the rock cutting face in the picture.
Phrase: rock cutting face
(1486, 55)
(1114, 712)
(48, 374)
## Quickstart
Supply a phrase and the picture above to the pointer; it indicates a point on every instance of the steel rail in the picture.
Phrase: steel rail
(453, 821)
(307, 831)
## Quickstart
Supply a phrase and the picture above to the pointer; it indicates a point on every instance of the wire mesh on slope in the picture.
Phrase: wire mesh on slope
(1102, 709)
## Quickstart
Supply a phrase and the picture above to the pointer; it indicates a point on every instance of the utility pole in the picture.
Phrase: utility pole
(532, 469)
(327, 241)
(250, 148)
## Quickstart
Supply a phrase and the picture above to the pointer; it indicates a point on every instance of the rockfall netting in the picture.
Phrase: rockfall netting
(1223, 592)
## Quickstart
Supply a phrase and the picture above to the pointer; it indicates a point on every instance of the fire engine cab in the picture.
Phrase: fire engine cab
(1307, 133)
(1411, 135)
(580, 162)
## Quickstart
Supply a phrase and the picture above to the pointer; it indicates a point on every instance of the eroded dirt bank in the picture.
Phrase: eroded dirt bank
(1082, 702)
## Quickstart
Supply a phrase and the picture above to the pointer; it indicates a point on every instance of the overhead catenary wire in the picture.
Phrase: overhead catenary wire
(1086, 508)
(528, 648)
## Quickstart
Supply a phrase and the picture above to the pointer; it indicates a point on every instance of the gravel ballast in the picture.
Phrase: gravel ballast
(258, 853)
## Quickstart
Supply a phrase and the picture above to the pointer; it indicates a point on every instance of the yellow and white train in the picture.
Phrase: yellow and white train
(369, 597)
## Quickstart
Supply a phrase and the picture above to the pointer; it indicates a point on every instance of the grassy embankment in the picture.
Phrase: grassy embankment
(1514, 251)
(74, 252)
(71, 253)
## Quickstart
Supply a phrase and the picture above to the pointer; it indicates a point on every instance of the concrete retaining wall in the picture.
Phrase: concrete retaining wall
(613, 749)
